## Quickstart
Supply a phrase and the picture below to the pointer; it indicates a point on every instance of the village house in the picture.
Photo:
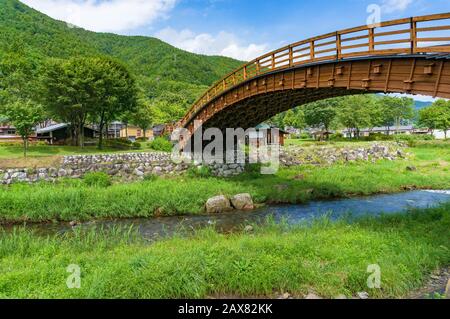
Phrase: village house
(133, 133)
(159, 130)
(265, 135)
(114, 129)
(394, 130)
(292, 132)
(59, 134)
(385, 130)
(321, 135)
(7, 132)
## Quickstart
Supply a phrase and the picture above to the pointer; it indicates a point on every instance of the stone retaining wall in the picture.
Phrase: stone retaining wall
(327, 155)
(227, 170)
(129, 166)
(126, 166)
(132, 166)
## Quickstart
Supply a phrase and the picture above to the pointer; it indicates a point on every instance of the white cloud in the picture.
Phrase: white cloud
(422, 98)
(104, 16)
(390, 6)
(224, 43)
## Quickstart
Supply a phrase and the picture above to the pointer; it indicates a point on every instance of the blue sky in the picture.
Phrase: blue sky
(241, 29)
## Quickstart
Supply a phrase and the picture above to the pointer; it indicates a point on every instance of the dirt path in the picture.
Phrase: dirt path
(42, 161)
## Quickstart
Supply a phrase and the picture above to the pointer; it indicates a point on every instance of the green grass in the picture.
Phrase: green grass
(8, 152)
(329, 258)
(74, 200)
(47, 156)
(312, 143)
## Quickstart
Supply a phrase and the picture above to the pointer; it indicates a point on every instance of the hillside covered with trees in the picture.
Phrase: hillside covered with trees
(163, 73)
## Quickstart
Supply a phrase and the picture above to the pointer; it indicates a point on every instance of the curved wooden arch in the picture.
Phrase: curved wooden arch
(395, 56)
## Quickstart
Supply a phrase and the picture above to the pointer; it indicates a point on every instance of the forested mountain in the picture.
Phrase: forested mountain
(421, 105)
(160, 68)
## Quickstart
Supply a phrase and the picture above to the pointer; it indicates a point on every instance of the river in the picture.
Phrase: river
(156, 228)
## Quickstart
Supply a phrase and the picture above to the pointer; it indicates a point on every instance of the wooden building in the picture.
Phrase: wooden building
(60, 133)
(132, 133)
(266, 134)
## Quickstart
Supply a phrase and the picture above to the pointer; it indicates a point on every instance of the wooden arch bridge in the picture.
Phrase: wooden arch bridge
(403, 56)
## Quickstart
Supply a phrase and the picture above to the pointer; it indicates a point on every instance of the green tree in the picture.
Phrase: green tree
(300, 122)
(321, 113)
(18, 75)
(66, 93)
(113, 92)
(376, 112)
(443, 120)
(395, 110)
(81, 88)
(126, 118)
(165, 111)
(436, 116)
(144, 116)
(277, 120)
(428, 118)
(355, 112)
(293, 118)
(25, 116)
(289, 119)
(19, 89)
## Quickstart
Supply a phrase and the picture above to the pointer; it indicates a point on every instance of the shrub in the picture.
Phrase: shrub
(254, 170)
(409, 139)
(412, 140)
(161, 144)
(123, 140)
(337, 137)
(119, 143)
(97, 179)
(136, 145)
(384, 137)
(11, 144)
(20, 143)
(151, 177)
(427, 137)
(305, 136)
(199, 172)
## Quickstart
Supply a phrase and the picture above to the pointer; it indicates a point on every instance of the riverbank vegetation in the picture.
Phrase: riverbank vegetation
(67, 200)
(327, 258)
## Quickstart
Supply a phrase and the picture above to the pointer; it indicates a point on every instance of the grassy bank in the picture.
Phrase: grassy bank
(327, 258)
(73, 200)
(46, 155)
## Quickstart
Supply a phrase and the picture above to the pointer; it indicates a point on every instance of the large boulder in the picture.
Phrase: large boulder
(139, 172)
(242, 202)
(218, 204)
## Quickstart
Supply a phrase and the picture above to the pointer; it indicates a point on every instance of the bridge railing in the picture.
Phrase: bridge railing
(418, 35)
